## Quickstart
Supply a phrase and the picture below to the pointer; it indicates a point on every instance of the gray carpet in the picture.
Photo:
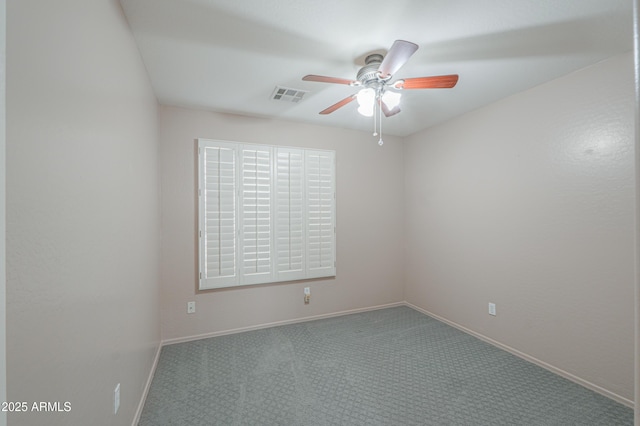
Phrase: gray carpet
(388, 367)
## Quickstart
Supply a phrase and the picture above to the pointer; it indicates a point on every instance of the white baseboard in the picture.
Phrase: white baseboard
(622, 400)
(147, 386)
(277, 323)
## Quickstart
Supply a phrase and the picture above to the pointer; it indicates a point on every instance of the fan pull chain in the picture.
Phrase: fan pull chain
(375, 126)
(380, 142)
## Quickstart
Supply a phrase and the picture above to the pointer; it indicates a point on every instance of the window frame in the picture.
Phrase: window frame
(300, 221)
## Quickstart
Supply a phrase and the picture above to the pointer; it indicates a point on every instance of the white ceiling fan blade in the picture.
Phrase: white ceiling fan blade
(397, 56)
(389, 112)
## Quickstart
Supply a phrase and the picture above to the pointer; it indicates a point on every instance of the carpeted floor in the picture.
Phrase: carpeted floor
(388, 367)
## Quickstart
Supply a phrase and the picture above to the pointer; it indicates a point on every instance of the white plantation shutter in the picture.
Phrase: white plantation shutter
(256, 214)
(218, 216)
(290, 207)
(319, 188)
(265, 213)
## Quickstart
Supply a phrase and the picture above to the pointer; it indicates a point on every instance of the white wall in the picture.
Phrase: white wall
(636, 51)
(528, 203)
(82, 207)
(369, 226)
(3, 274)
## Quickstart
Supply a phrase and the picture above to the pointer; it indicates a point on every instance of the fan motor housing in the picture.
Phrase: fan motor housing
(369, 72)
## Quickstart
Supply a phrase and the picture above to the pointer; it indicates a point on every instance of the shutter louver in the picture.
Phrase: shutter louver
(219, 227)
(255, 211)
(319, 171)
(290, 214)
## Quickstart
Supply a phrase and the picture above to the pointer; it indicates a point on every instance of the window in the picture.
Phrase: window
(265, 213)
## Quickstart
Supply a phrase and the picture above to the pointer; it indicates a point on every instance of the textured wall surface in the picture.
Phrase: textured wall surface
(82, 213)
(369, 226)
(528, 203)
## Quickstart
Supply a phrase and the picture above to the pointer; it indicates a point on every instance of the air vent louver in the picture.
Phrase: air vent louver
(287, 94)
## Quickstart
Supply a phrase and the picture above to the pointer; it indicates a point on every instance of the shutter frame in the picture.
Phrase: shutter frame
(290, 214)
(224, 217)
(273, 218)
(255, 208)
(321, 225)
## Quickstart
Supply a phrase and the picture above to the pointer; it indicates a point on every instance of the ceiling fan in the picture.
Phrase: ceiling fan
(378, 93)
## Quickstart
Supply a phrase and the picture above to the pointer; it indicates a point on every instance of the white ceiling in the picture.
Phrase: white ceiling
(228, 55)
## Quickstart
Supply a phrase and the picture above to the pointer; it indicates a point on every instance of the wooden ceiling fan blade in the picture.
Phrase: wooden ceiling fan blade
(397, 56)
(435, 82)
(337, 105)
(324, 79)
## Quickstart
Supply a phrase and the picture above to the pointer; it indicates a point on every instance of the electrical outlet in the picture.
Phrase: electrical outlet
(116, 399)
(191, 307)
(492, 309)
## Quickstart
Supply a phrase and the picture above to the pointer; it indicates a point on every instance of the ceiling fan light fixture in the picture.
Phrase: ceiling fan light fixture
(366, 111)
(391, 99)
(366, 99)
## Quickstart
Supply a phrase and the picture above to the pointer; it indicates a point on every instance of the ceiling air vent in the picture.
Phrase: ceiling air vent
(287, 94)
